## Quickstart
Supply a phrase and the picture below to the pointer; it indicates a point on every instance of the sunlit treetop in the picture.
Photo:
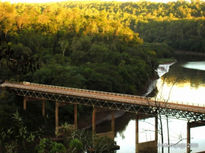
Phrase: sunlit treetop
(31, 1)
(46, 1)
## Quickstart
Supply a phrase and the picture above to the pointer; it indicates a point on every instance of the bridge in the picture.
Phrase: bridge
(113, 101)
(109, 100)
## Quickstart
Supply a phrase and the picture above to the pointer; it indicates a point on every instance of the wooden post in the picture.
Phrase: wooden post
(93, 121)
(24, 103)
(188, 138)
(43, 108)
(76, 116)
(113, 123)
(137, 135)
(56, 117)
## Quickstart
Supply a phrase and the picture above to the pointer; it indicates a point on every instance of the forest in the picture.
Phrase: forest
(106, 46)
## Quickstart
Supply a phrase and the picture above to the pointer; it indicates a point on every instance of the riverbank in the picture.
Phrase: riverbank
(166, 60)
(162, 69)
(180, 54)
(183, 52)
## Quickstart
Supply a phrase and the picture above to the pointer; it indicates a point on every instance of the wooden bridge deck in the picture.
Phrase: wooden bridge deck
(34, 90)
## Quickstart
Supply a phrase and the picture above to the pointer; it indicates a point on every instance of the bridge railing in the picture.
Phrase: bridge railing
(83, 90)
(103, 93)
(179, 102)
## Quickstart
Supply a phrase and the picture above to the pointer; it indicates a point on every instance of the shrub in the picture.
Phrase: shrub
(48, 146)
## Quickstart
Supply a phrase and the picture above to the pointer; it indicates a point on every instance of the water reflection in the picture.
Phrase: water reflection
(179, 74)
(198, 65)
(183, 85)
(126, 139)
(146, 130)
(129, 140)
(182, 92)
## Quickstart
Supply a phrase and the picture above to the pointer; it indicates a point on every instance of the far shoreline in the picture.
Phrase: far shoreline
(183, 52)
(166, 60)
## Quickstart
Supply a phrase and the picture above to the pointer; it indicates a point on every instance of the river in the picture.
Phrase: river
(184, 82)
(181, 82)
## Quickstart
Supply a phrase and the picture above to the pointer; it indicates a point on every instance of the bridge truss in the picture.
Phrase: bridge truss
(111, 104)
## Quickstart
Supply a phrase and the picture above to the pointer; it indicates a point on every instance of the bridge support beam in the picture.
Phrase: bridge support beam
(56, 116)
(188, 137)
(137, 135)
(113, 123)
(24, 103)
(93, 121)
(149, 145)
(156, 133)
(43, 108)
(156, 129)
(189, 126)
(75, 116)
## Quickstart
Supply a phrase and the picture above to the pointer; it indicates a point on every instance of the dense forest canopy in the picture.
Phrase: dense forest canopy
(110, 46)
(86, 33)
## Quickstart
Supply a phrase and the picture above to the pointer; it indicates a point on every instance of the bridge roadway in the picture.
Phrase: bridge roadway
(114, 101)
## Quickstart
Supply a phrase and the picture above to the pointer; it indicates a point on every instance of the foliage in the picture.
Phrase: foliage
(103, 144)
(174, 23)
(76, 145)
(17, 138)
(48, 146)
(109, 46)
(78, 141)
(87, 48)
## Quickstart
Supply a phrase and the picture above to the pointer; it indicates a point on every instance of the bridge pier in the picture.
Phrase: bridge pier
(76, 116)
(24, 103)
(189, 126)
(94, 121)
(26, 99)
(43, 108)
(56, 117)
(137, 135)
(150, 145)
(113, 123)
(111, 132)
(156, 131)
(57, 105)
(188, 137)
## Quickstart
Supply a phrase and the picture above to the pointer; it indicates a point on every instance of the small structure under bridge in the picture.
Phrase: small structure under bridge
(112, 101)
